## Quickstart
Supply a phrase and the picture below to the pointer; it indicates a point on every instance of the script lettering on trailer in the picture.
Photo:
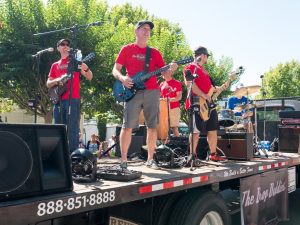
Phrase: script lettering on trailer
(264, 198)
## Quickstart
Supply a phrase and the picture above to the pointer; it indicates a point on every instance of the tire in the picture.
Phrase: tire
(200, 208)
(162, 208)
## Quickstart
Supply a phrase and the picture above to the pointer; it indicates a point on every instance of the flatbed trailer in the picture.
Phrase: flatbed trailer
(149, 200)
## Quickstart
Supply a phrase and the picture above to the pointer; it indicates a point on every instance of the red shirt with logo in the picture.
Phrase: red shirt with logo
(170, 89)
(132, 57)
(203, 80)
(58, 69)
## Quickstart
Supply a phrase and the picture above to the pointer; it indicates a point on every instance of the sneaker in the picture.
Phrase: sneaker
(152, 164)
(123, 165)
(216, 158)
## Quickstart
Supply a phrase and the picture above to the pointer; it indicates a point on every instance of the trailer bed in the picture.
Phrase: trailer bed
(105, 193)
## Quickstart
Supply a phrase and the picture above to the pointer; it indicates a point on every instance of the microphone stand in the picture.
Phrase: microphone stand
(38, 61)
(72, 63)
(192, 110)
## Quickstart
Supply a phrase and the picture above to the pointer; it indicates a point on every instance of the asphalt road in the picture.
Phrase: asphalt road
(294, 209)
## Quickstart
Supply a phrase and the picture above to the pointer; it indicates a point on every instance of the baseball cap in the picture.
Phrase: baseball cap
(143, 22)
(201, 50)
(62, 40)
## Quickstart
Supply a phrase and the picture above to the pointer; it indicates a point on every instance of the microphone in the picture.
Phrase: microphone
(189, 76)
(96, 23)
(43, 51)
(93, 24)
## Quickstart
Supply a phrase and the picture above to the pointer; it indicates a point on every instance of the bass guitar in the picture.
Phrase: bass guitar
(57, 91)
(124, 94)
(205, 106)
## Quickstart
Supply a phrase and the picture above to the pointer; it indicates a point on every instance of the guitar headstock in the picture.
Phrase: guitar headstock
(236, 73)
(89, 57)
(185, 60)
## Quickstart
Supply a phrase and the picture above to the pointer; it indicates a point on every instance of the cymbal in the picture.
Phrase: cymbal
(247, 90)
(242, 107)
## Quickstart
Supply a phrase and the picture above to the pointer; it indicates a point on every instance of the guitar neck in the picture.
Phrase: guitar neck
(216, 95)
(148, 75)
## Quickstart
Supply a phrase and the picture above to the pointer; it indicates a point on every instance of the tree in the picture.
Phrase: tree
(283, 80)
(6, 105)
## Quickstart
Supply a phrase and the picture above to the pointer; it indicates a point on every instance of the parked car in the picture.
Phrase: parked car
(268, 110)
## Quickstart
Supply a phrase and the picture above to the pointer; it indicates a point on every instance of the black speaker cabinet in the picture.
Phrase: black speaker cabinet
(237, 146)
(138, 139)
(289, 139)
(34, 160)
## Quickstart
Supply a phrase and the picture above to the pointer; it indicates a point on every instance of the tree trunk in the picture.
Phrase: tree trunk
(48, 117)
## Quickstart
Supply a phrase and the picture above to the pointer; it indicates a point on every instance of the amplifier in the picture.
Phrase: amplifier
(289, 139)
(178, 141)
(237, 145)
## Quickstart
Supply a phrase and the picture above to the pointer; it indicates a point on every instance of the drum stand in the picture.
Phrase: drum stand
(264, 119)
(261, 152)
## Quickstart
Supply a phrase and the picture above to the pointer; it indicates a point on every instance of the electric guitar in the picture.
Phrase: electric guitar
(124, 94)
(205, 106)
(57, 91)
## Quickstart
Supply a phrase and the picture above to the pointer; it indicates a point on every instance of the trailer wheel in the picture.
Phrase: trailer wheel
(200, 208)
(162, 208)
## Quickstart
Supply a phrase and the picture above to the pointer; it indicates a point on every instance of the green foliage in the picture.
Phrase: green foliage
(6, 105)
(283, 80)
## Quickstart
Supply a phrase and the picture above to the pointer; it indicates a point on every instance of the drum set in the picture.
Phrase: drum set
(241, 122)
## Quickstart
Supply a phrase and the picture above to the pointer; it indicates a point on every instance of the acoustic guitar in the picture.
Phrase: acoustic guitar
(57, 91)
(124, 94)
(205, 106)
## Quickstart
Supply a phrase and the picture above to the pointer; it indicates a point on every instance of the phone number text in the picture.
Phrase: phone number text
(75, 203)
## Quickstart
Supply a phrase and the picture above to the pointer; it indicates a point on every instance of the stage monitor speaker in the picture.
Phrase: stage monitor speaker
(289, 139)
(34, 160)
(238, 146)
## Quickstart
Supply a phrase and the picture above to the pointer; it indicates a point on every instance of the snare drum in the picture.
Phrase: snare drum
(226, 118)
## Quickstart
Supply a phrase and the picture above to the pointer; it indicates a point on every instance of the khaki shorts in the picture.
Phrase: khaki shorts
(146, 100)
(174, 117)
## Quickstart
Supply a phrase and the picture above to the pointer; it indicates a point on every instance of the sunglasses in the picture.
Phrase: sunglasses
(64, 44)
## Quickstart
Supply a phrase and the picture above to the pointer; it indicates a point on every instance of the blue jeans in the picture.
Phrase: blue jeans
(73, 130)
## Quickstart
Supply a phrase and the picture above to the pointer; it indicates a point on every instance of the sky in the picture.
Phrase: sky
(256, 34)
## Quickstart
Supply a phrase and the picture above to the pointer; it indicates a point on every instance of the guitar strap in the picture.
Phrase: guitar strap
(147, 59)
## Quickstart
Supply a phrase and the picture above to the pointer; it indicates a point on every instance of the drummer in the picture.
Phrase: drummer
(239, 104)
(172, 89)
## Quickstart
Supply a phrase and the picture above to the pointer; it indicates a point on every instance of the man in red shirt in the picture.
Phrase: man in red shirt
(201, 86)
(132, 57)
(172, 89)
(60, 111)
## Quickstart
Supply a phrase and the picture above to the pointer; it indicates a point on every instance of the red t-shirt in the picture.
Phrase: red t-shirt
(203, 80)
(133, 58)
(58, 69)
(170, 88)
